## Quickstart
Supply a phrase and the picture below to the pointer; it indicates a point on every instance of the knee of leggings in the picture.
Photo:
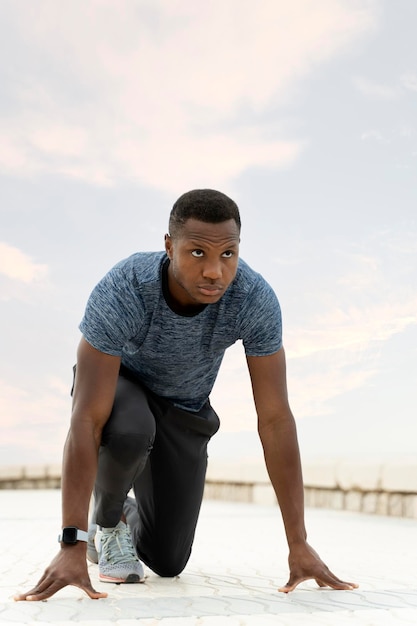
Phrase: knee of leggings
(167, 565)
(169, 569)
(128, 447)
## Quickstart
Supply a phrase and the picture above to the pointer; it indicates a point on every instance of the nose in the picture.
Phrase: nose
(212, 270)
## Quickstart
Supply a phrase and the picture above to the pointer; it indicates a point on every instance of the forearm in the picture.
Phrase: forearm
(78, 473)
(282, 457)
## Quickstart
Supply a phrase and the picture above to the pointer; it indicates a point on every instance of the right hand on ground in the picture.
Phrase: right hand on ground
(69, 567)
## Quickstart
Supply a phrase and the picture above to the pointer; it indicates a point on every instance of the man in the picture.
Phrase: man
(154, 333)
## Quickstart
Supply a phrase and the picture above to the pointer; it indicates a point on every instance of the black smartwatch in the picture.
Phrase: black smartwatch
(72, 534)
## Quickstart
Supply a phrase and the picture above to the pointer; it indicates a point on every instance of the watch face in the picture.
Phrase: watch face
(69, 534)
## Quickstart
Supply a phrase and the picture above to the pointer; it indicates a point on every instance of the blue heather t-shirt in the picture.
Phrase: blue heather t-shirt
(178, 356)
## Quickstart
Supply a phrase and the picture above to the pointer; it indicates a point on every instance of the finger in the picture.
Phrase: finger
(41, 592)
(87, 587)
(24, 596)
(287, 588)
(37, 594)
(342, 586)
(325, 581)
(330, 580)
(92, 593)
(337, 584)
(291, 584)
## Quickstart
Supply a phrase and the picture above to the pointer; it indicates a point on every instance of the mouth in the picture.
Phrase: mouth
(210, 290)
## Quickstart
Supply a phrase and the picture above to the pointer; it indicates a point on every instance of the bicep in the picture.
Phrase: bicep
(269, 386)
(95, 384)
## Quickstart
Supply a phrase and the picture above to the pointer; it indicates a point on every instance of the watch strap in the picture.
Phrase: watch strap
(81, 535)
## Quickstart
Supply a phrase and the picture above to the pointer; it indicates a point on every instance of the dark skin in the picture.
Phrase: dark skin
(203, 263)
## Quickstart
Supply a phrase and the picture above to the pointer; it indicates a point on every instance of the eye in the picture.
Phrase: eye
(197, 253)
(228, 254)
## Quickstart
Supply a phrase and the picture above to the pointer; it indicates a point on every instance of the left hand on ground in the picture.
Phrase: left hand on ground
(305, 564)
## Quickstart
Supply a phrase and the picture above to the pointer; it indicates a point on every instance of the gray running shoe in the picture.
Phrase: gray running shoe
(118, 561)
(92, 554)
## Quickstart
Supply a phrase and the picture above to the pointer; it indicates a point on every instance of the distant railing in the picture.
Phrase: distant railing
(30, 477)
(376, 488)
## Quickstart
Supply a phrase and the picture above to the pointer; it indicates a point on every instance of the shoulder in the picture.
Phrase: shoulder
(120, 302)
(132, 279)
(249, 282)
(259, 313)
(256, 298)
(142, 266)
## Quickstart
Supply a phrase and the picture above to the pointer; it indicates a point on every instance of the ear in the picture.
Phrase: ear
(168, 246)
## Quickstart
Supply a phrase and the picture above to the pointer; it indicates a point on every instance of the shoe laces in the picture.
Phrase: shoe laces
(120, 538)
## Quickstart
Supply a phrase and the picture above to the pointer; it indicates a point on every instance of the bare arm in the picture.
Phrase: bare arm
(278, 434)
(94, 391)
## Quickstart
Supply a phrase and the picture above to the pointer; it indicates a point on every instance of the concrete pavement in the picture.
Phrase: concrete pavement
(238, 561)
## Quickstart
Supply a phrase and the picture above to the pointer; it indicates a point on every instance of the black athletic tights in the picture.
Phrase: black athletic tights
(160, 451)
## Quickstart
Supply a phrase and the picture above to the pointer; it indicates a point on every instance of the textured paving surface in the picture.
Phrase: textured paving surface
(239, 560)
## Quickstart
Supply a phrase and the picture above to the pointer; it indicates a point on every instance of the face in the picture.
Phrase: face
(203, 261)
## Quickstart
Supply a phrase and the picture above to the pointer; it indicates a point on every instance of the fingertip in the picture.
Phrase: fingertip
(349, 586)
(345, 586)
(96, 595)
(19, 597)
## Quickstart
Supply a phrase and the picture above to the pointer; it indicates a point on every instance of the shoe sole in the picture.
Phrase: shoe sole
(131, 578)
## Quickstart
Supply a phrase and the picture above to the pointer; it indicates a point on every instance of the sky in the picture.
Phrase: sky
(304, 112)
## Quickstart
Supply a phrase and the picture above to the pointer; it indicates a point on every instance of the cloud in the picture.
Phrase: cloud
(369, 299)
(311, 393)
(374, 135)
(338, 336)
(376, 90)
(341, 350)
(33, 422)
(383, 91)
(18, 266)
(144, 90)
(409, 81)
(353, 329)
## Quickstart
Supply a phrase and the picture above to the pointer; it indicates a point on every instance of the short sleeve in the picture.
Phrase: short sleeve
(261, 324)
(113, 314)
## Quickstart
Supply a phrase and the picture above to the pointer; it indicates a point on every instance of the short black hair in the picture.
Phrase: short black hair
(206, 205)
